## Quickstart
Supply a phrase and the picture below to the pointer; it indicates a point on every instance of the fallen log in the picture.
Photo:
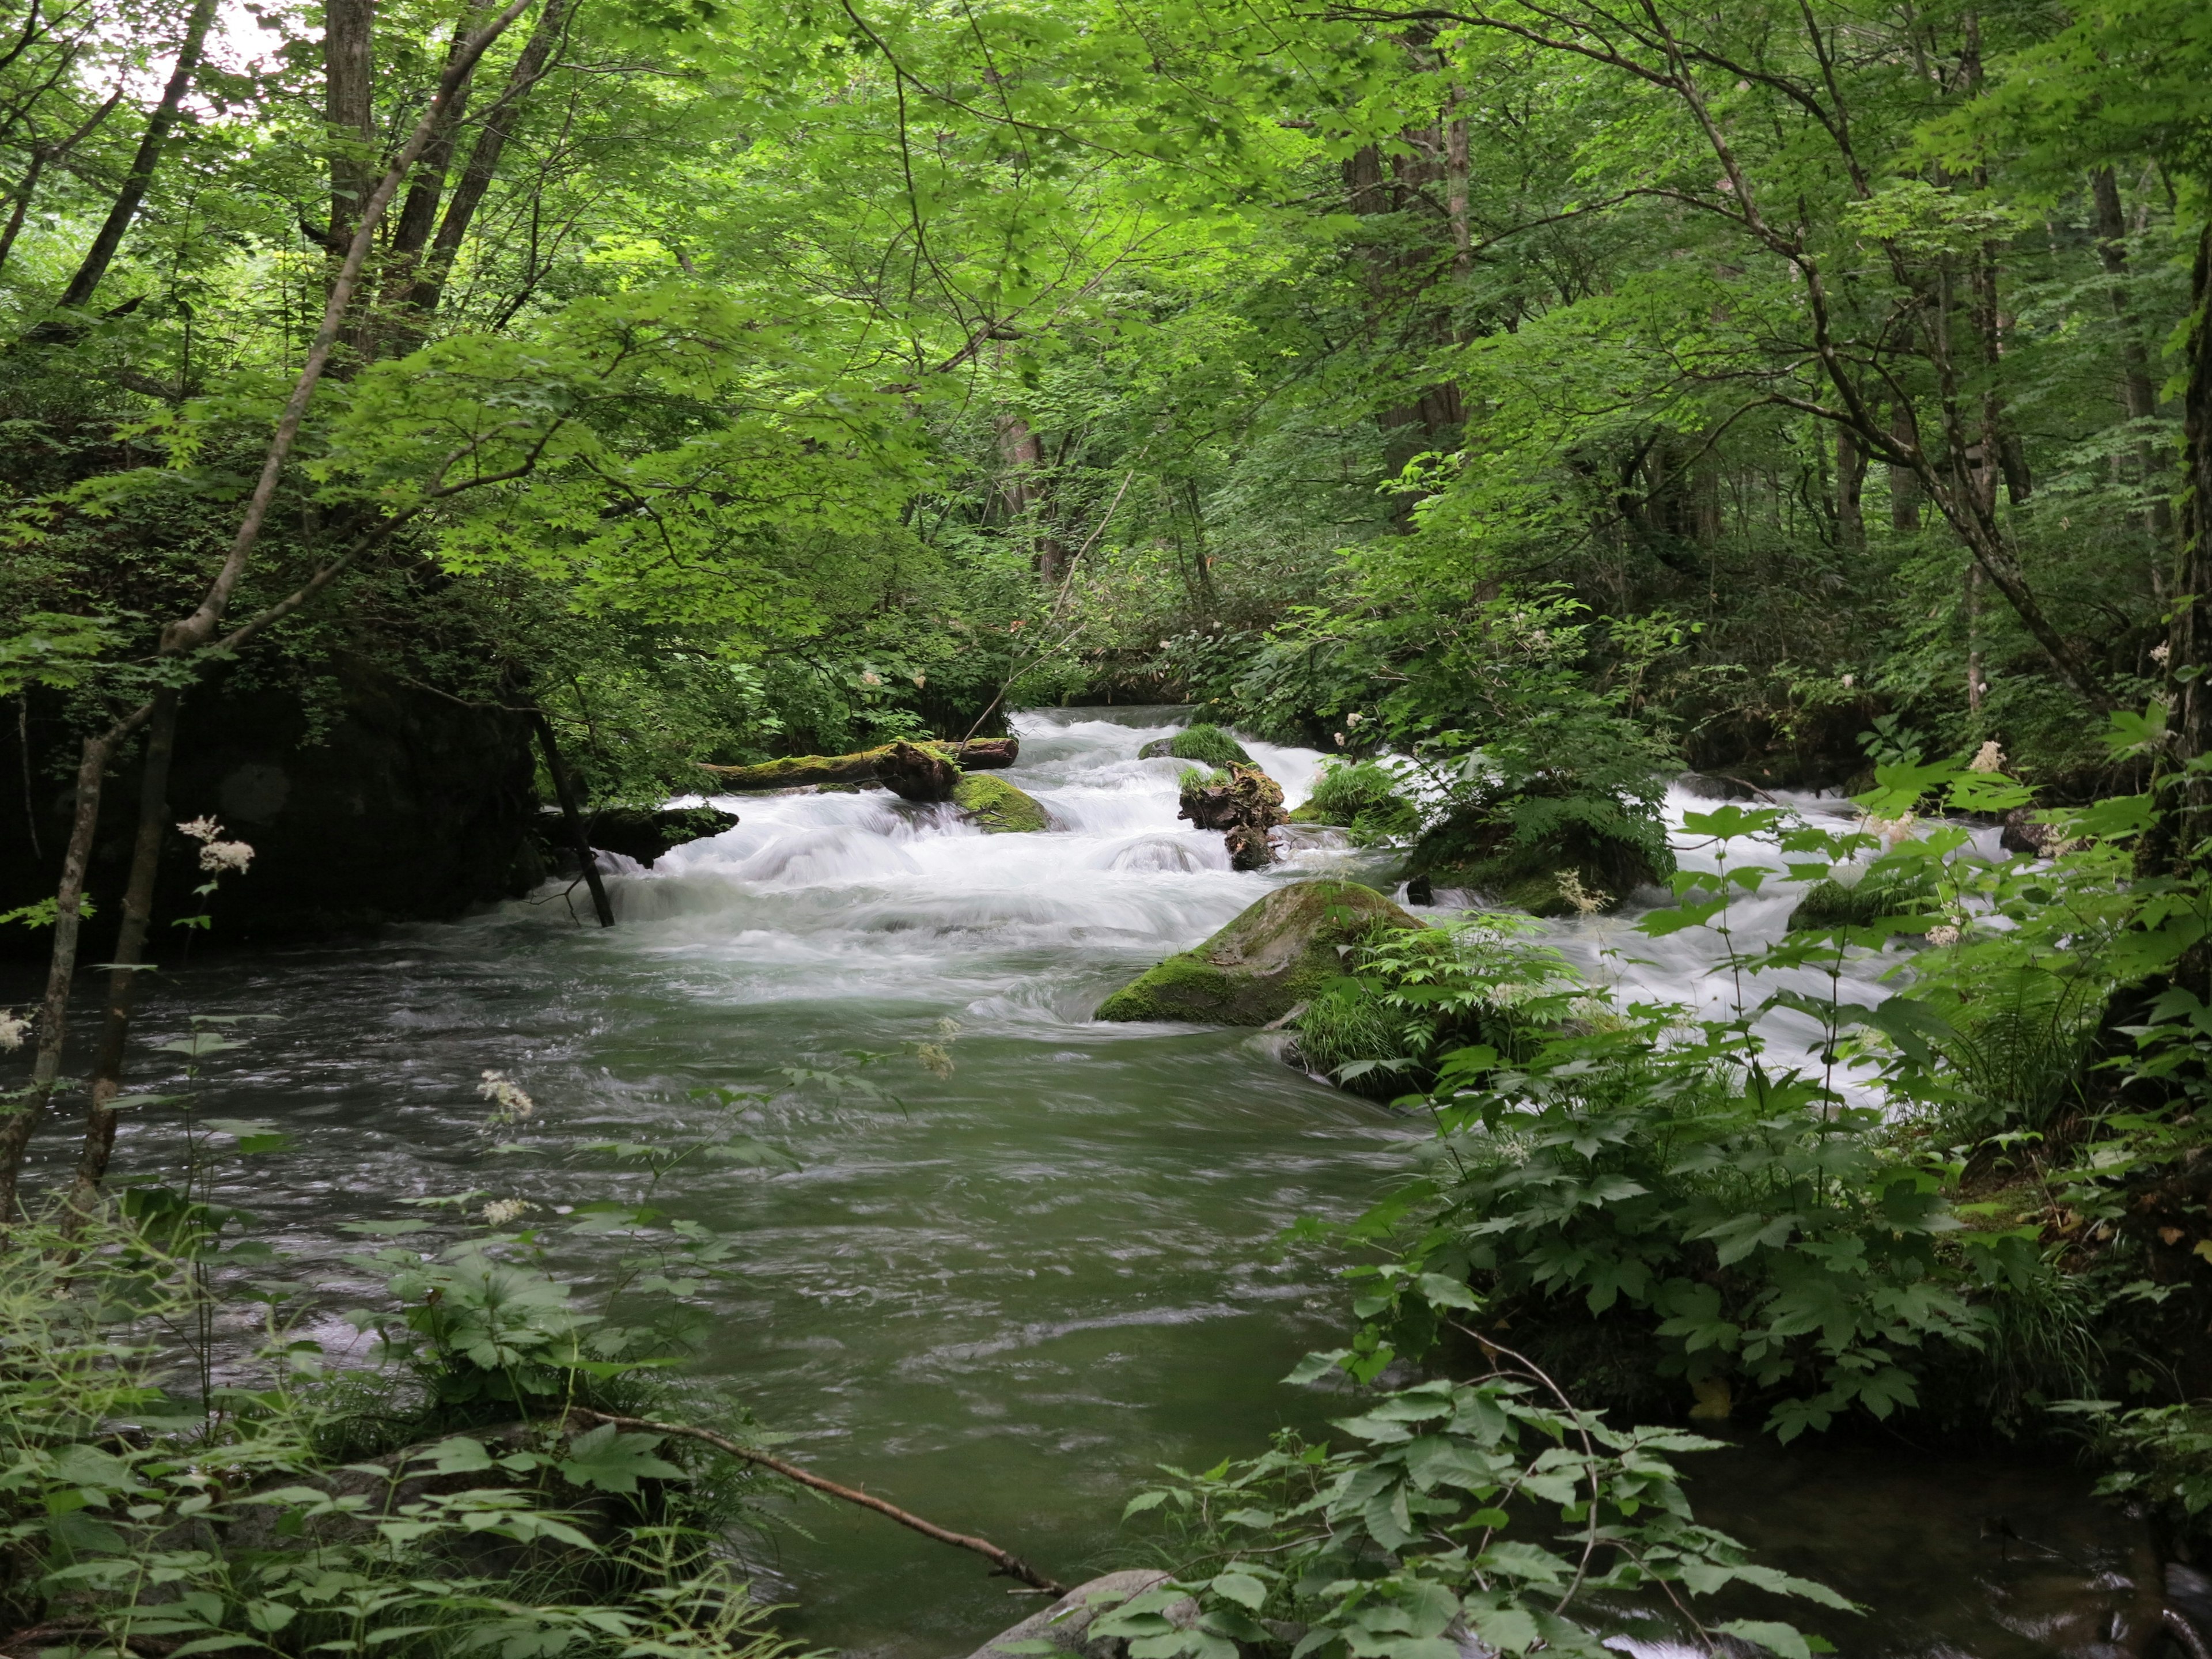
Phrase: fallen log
(977, 755)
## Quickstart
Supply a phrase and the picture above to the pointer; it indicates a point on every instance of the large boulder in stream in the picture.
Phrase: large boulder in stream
(997, 808)
(1275, 955)
(1573, 855)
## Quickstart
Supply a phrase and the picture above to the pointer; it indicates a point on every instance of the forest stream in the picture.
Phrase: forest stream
(1005, 1295)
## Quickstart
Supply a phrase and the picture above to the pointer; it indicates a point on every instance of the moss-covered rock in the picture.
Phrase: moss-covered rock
(643, 833)
(1362, 798)
(996, 807)
(1878, 893)
(1550, 861)
(1207, 744)
(1274, 954)
(863, 766)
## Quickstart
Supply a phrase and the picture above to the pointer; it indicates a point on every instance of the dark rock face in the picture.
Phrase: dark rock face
(404, 806)
(644, 833)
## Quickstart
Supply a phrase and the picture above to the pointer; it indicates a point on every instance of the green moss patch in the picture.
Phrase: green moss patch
(1274, 954)
(996, 807)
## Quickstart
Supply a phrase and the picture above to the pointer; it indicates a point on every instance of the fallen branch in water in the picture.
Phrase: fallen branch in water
(1007, 1562)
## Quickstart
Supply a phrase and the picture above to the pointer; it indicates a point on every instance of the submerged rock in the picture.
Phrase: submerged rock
(997, 808)
(1065, 1626)
(1208, 745)
(1274, 954)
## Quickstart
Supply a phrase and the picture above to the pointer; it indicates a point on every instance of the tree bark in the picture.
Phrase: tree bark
(2138, 392)
(429, 286)
(349, 113)
(101, 1116)
(573, 816)
(1851, 490)
(2189, 656)
(143, 164)
(61, 973)
(1904, 485)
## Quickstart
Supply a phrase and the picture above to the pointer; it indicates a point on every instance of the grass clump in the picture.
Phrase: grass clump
(1362, 797)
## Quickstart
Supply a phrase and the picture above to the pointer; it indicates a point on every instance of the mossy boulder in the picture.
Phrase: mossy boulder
(1275, 954)
(1208, 745)
(996, 807)
(1569, 857)
(1362, 798)
(1878, 893)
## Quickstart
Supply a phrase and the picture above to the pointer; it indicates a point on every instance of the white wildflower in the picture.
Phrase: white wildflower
(1339, 740)
(1943, 935)
(1892, 830)
(14, 1028)
(505, 1095)
(504, 1212)
(1849, 680)
(920, 681)
(1989, 757)
(1353, 719)
(2160, 653)
(935, 1059)
(869, 677)
(218, 856)
(1587, 901)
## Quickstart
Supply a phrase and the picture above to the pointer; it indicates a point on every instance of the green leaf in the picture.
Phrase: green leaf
(608, 1460)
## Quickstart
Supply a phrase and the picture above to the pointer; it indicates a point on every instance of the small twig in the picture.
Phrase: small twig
(1007, 1562)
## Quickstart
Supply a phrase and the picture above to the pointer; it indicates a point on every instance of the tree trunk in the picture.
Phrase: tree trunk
(573, 817)
(61, 973)
(144, 165)
(1904, 485)
(349, 112)
(101, 1116)
(429, 286)
(1850, 488)
(2189, 657)
(2138, 392)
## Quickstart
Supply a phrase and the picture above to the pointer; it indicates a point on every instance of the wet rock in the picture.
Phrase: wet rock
(1574, 866)
(1714, 786)
(862, 766)
(1208, 745)
(1274, 954)
(915, 774)
(1878, 893)
(997, 808)
(1243, 801)
(374, 801)
(2022, 833)
(644, 833)
(1067, 1623)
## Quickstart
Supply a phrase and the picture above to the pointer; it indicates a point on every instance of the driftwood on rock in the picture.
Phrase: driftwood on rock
(1243, 801)
(917, 774)
(864, 766)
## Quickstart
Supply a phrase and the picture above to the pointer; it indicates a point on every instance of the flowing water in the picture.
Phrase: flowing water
(1005, 1295)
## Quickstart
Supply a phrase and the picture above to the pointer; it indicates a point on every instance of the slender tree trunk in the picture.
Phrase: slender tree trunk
(144, 165)
(483, 156)
(1455, 193)
(24, 191)
(2189, 656)
(1903, 483)
(2138, 392)
(1851, 488)
(349, 113)
(101, 1114)
(61, 974)
(573, 817)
